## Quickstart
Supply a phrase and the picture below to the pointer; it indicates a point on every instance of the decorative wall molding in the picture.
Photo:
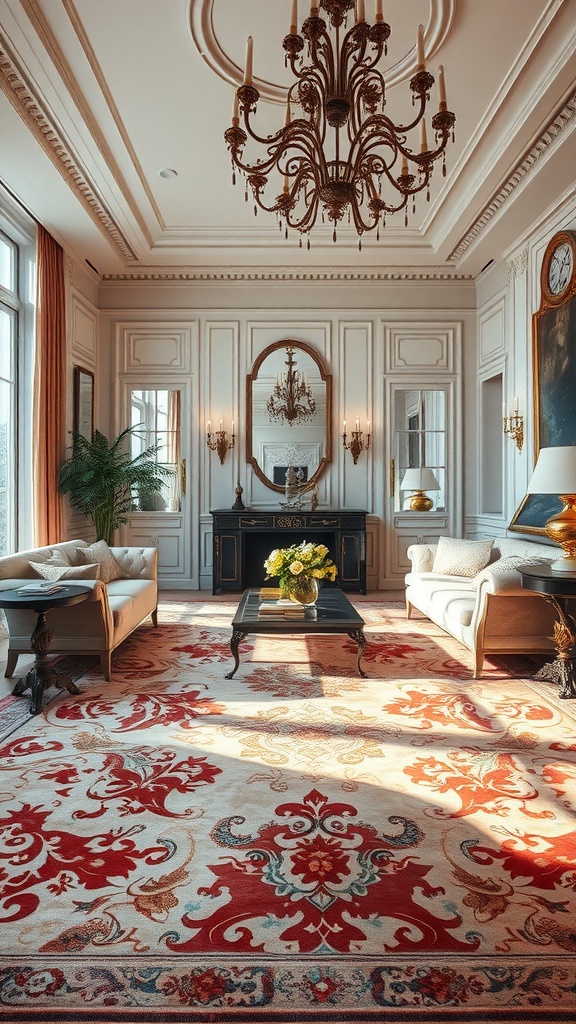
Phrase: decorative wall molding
(39, 120)
(556, 127)
(517, 266)
(289, 274)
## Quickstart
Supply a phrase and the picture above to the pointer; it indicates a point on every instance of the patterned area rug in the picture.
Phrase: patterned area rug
(295, 844)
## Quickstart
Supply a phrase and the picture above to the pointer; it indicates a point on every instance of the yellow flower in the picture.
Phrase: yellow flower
(296, 568)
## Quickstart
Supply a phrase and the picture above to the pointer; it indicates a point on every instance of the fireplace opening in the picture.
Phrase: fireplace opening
(257, 547)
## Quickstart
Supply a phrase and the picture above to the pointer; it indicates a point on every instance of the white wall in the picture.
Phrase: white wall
(346, 320)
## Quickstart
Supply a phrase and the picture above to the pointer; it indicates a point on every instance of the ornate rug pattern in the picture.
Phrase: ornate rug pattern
(294, 844)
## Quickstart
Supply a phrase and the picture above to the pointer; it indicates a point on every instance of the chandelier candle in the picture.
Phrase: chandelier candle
(339, 157)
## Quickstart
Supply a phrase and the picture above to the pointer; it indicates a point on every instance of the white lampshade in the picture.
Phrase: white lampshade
(555, 471)
(419, 479)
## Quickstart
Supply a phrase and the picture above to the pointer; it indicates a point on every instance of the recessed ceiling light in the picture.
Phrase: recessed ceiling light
(168, 172)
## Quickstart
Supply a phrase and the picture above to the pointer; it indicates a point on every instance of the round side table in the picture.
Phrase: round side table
(41, 676)
(557, 589)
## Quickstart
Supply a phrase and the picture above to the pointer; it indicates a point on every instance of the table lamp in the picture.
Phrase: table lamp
(555, 473)
(419, 480)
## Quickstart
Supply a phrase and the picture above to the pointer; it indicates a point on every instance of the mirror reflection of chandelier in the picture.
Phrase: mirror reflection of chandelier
(342, 156)
(291, 399)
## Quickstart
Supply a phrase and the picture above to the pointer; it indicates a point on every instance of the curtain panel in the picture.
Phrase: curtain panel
(49, 389)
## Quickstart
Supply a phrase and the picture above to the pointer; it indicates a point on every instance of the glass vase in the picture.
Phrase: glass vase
(302, 590)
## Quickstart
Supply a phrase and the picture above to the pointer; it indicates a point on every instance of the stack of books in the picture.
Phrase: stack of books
(45, 587)
(283, 608)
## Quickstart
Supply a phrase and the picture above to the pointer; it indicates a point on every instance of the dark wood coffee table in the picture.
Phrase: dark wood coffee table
(42, 675)
(332, 613)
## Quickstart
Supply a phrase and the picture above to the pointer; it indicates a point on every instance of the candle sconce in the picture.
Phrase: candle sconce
(219, 441)
(513, 425)
(358, 443)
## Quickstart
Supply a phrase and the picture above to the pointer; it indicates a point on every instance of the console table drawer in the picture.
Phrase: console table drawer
(256, 522)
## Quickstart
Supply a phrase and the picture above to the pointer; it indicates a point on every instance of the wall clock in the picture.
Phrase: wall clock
(558, 273)
(554, 370)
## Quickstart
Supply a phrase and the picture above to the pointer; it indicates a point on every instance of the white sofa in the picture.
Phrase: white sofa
(97, 625)
(489, 614)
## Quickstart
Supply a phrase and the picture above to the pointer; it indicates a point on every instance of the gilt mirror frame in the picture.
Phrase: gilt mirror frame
(326, 377)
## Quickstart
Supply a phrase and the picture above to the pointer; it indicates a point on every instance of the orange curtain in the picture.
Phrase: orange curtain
(49, 389)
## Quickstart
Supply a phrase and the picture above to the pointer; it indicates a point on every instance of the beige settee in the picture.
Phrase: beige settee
(97, 625)
(490, 613)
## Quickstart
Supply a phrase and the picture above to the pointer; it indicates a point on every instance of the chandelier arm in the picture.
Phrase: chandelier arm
(404, 128)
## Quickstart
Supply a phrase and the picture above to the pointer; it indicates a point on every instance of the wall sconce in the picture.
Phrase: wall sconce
(513, 425)
(219, 441)
(358, 443)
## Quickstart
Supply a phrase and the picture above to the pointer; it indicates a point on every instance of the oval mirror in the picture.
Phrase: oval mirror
(288, 414)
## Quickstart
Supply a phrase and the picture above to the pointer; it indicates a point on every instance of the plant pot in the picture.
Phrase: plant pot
(302, 590)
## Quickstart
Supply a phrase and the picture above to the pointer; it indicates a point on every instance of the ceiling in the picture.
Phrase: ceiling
(98, 97)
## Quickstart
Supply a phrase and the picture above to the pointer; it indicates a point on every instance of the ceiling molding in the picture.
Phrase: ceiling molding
(289, 274)
(206, 40)
(41, 122)
(550, 136)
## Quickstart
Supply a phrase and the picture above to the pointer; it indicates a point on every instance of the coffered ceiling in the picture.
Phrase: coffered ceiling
(97, 98)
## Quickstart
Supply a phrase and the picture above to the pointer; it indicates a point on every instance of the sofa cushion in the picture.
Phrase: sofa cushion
(48, 571)
(101, 553)
(456, 557)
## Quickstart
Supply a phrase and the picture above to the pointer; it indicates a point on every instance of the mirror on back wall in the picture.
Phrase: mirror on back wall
(420, 443)
(155, 413)
(288, 415)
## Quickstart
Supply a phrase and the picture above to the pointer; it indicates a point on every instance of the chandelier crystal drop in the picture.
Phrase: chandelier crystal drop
(291, 399)
(342, 156)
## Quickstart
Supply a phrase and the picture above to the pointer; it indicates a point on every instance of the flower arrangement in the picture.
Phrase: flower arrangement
(299, 560)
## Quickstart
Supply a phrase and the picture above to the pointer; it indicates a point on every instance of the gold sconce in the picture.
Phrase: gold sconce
(513, 425)
(219, 441)
(358, 443)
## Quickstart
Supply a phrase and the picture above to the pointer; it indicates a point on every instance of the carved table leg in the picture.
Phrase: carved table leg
(561, 670)
(358, 636)
(42, 676)
(237, 637)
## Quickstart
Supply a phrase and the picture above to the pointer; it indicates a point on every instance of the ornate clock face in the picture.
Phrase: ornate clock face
(558, 271)
(560, 268)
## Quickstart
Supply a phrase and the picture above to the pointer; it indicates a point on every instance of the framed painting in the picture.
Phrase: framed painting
(554, 366)
(83, 403)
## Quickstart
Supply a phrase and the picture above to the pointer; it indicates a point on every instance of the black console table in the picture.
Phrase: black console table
(243, 540)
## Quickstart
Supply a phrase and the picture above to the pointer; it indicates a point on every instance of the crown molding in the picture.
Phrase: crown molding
(42, 124)
(290, 274)
(550, 137)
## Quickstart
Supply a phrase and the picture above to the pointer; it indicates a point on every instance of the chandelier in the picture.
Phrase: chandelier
(344, 156)
(291, 399)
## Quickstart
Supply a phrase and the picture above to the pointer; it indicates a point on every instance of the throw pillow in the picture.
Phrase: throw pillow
(500, 570)
(55, 556)
(66, 572)
(456, 557)
(100, 552)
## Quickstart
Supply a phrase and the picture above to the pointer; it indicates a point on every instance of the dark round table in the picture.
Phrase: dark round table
(557, 588)
(42, 675)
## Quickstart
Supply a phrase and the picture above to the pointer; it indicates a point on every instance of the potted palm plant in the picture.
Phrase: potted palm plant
(103, 478)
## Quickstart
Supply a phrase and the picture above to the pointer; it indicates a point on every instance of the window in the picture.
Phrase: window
(155, 418)
(17, 259)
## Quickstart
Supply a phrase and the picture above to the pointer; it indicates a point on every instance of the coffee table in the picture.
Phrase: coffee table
(332, 613)
(42, 675)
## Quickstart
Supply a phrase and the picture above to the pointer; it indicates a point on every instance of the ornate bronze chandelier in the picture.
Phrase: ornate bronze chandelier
(291, 399)
(343, 156)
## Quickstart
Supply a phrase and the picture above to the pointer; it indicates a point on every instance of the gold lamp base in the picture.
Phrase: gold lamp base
(420, 502)
(561, 528)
